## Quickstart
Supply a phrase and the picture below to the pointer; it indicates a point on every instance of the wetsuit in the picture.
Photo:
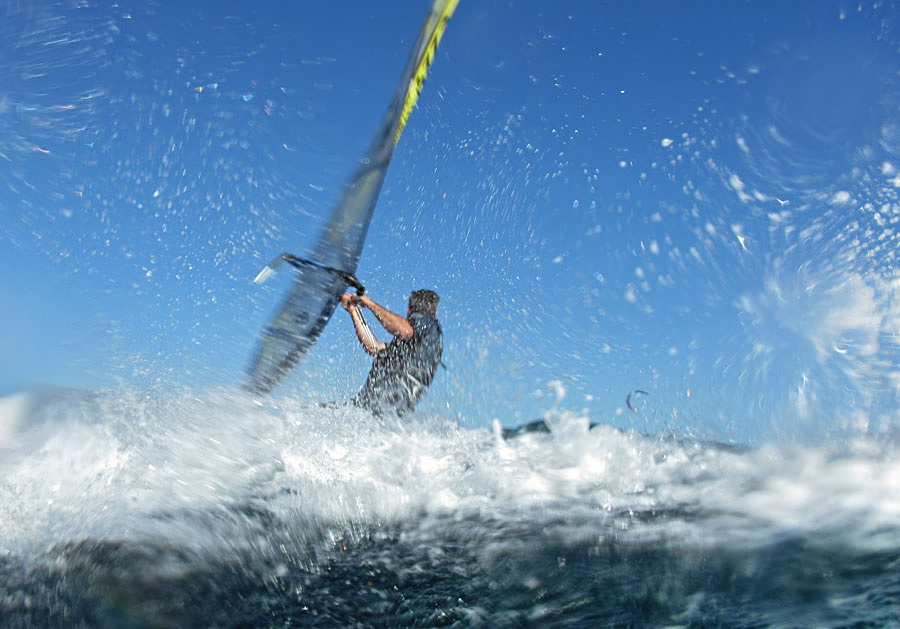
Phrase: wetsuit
(403, 370)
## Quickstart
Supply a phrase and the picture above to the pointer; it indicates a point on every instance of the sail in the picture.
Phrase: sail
(315, 291)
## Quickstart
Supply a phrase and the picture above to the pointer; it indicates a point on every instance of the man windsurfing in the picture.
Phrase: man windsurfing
(404, 368)
(328, 269)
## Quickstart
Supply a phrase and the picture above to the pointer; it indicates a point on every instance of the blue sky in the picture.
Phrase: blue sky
(694, 200)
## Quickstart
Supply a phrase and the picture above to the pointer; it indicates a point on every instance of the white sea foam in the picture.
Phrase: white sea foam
(11, 409)
(185, 468)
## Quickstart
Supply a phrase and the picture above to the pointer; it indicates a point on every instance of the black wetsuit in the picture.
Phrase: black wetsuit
(403, 370)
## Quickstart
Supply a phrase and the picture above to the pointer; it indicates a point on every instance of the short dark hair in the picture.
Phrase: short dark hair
(424, 301)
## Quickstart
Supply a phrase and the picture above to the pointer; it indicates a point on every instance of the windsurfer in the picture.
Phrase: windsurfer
(404, 368)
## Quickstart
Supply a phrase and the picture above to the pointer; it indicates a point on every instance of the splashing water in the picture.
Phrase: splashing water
(112, 503)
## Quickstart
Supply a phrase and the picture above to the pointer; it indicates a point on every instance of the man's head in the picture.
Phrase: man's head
(424, 301)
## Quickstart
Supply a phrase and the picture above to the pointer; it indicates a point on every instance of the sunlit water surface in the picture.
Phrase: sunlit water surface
(213, 509)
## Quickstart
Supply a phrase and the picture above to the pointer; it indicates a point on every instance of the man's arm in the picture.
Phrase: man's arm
(392, 322)
(363, 333)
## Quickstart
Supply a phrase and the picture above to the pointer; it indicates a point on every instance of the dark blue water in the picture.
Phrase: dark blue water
(211, 510)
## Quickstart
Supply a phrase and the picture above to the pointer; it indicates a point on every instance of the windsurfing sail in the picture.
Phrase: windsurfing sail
(318, 285)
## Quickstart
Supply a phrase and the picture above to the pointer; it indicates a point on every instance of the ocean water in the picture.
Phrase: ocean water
(698, 202)
(196, 509)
